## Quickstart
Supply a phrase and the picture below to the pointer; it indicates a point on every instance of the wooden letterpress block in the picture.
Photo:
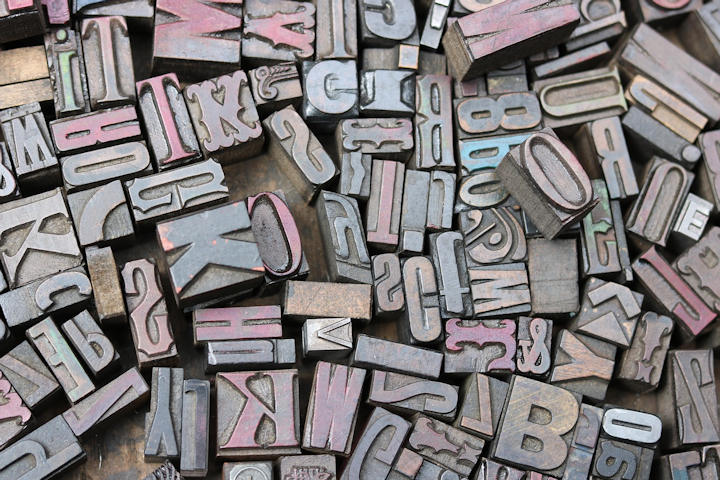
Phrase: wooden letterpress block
(407, 394)
(274, 87)
(108, 61)
(163, 421)
(330, 92)
(508, 78)
(482, 189)
(236, 323)
(708, 180)
(600, 249)
(445, 444)
(609, 312)
(166, 471)
(671, 295)
(665, 107)
(340, 40)
(203, 263)
(60, 294)
(91, 130)
(121, 394)
(534, 339)
(246, 426)
(195, 428)
(553, 275)
(48, 247)
(387, 93)
(641, 365)
(180, 190)
(167, 121)
(617, 460)
(324, 299)
(572, 62)
(388, 294)
(497, 114)
(646, 52)
(28, 375)
(441, 201)
(599, 21)
(278, 238)
(31, 150)
(107, 292)
(603, 153)
(14, 415)
(193, 36)
(386, 138)
(626, 272)
(688, 403)
(378, 446)
(93, 346)
(432, 32)
(236, 470)
(485, 153)
(9, 189)
(448, 257)
(653, 213)
(493, 235)
(339, 218)
(101, 215)
(225, 119)
(139, 13)
(480, 346)
(67, 72)
(53, 449)
(298, 153)
(698, 34)
(491, 470)
(691, 221)
(327, 337)
(582, 447)
(24, 76)
(308, 466)
(506, 32)
(278, 31)
(384, 24)
(662, 12)
(421, 322)
(696, 463)
(699, 268)
(416, 191)
(382, 216)
(377, 353)
(20, 19)
(552, 198)
(230, 355)
(548, 440)
(149, 322)
(651, 138)
(482, 404)
(46, 338)
(92, 169)
(499, 290)
(583, 365)
(577, 98)
(333, 408)
(632, 426)
(355, 172)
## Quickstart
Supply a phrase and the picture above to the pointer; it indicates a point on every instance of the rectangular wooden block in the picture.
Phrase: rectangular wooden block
(321, 299)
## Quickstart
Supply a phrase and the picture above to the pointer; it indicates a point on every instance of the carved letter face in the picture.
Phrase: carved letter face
(192, 35)
(37, 238)
(224, 115)
(211, 253)
(378, 446)
(258, 412)
(537, 427)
